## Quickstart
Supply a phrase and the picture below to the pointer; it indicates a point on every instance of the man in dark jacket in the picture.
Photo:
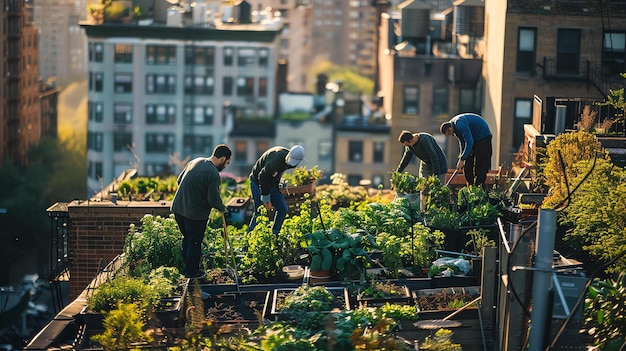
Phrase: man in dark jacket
(265, 179)
(423, 146)
(197, 194)
(475, 144)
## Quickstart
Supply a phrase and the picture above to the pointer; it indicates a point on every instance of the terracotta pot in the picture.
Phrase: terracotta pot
(320, 276)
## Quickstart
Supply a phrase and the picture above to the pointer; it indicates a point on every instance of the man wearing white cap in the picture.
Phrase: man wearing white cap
(265, 179)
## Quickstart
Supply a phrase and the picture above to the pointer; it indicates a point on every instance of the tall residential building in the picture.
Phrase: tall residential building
(548, 48)
(344, 33)
(430, 70)
(62, 43)
(295, 39)
(20, 119)
(175, 82)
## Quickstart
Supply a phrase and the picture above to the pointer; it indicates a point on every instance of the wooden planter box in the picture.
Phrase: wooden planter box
(370, 301)
(432, 303)
(342, 302)
(294, 196)
(244, 307)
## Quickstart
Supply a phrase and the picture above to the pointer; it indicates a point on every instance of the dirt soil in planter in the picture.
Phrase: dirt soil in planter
(430, 302)
(235, 307)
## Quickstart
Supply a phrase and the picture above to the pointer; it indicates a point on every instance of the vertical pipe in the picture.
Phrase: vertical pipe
(542, 278)
(559, 122)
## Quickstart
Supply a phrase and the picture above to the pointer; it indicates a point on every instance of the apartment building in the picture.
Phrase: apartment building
(549, 49)
(172, 84)
(62, 42)
(20, 118)
(430, 70)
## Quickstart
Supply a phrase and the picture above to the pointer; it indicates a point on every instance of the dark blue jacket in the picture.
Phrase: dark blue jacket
(469, 128)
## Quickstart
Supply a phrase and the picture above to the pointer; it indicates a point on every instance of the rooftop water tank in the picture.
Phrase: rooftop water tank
(415, 19)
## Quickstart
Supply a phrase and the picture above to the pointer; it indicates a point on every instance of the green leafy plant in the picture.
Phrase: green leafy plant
(122, 289)
(155, 244)
(123, 326)
(302, 176)
(441, 341)
(479, 240)
(340, 252)
(605, 311)
(261, 255)
(407, 183)
(382, 289)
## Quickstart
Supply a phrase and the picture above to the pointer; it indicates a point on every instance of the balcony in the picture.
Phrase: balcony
(583, 71)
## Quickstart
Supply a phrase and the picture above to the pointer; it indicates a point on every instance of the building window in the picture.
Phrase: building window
(262, 87)
(123, 83)
(160, 84)
(410, 100)
(228, 86)
(161, 55)
(526, 50)
(95, 111)
(523, 115)
(355, 151)
(198, 144)
(95, 170)
(379, 152)
(94, 141)
(245, 86)
(96, 81)
(568, 52)
(162, 170)
(264, 55)
(160, 114)
(614, 54)
(324, 150)
(123, 113)
(354, 179)
(440, 103)
(199, 115)
(199, 85)
(469, 100)
(199, 55)
(123, 53)
(96, 52)
(228, 56)
(246, 57)
(261, 147)
(122, 141)
(160, 143)
(240, 151)
(377, 180)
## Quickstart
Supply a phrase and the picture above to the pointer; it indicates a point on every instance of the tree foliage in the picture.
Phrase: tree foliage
(352, 81)
(562, 154)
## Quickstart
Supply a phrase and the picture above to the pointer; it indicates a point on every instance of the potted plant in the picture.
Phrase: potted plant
(337, 253)
(300, 180)
(605, 310)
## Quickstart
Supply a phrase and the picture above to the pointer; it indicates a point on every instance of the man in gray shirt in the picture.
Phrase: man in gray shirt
(197, 194)
(423, 146)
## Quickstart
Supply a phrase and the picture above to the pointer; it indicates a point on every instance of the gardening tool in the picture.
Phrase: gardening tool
(452, 176)
(229, 252)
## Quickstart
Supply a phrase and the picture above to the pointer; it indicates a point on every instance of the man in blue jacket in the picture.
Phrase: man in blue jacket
(265, 178)
(197, 194)
(475, 145)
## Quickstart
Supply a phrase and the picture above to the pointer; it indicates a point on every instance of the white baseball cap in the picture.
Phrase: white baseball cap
(295, 155)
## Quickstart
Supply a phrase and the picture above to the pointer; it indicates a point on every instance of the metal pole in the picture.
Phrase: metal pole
(542, 279)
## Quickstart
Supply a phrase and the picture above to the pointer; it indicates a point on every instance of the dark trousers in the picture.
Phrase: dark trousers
(193, 234)
(278, 203)
(478, 163)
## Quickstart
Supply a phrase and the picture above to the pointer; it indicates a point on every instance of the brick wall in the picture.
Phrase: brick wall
(97, 232)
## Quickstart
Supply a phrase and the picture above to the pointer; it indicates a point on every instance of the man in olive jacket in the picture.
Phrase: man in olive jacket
(197, 194)
(265, 179)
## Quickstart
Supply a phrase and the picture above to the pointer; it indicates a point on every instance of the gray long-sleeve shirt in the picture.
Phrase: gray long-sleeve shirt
(198, 190)
(429, 152)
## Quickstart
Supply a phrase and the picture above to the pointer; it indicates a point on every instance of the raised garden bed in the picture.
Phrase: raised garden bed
(237, 307)
(341, 301)
(441, 302)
